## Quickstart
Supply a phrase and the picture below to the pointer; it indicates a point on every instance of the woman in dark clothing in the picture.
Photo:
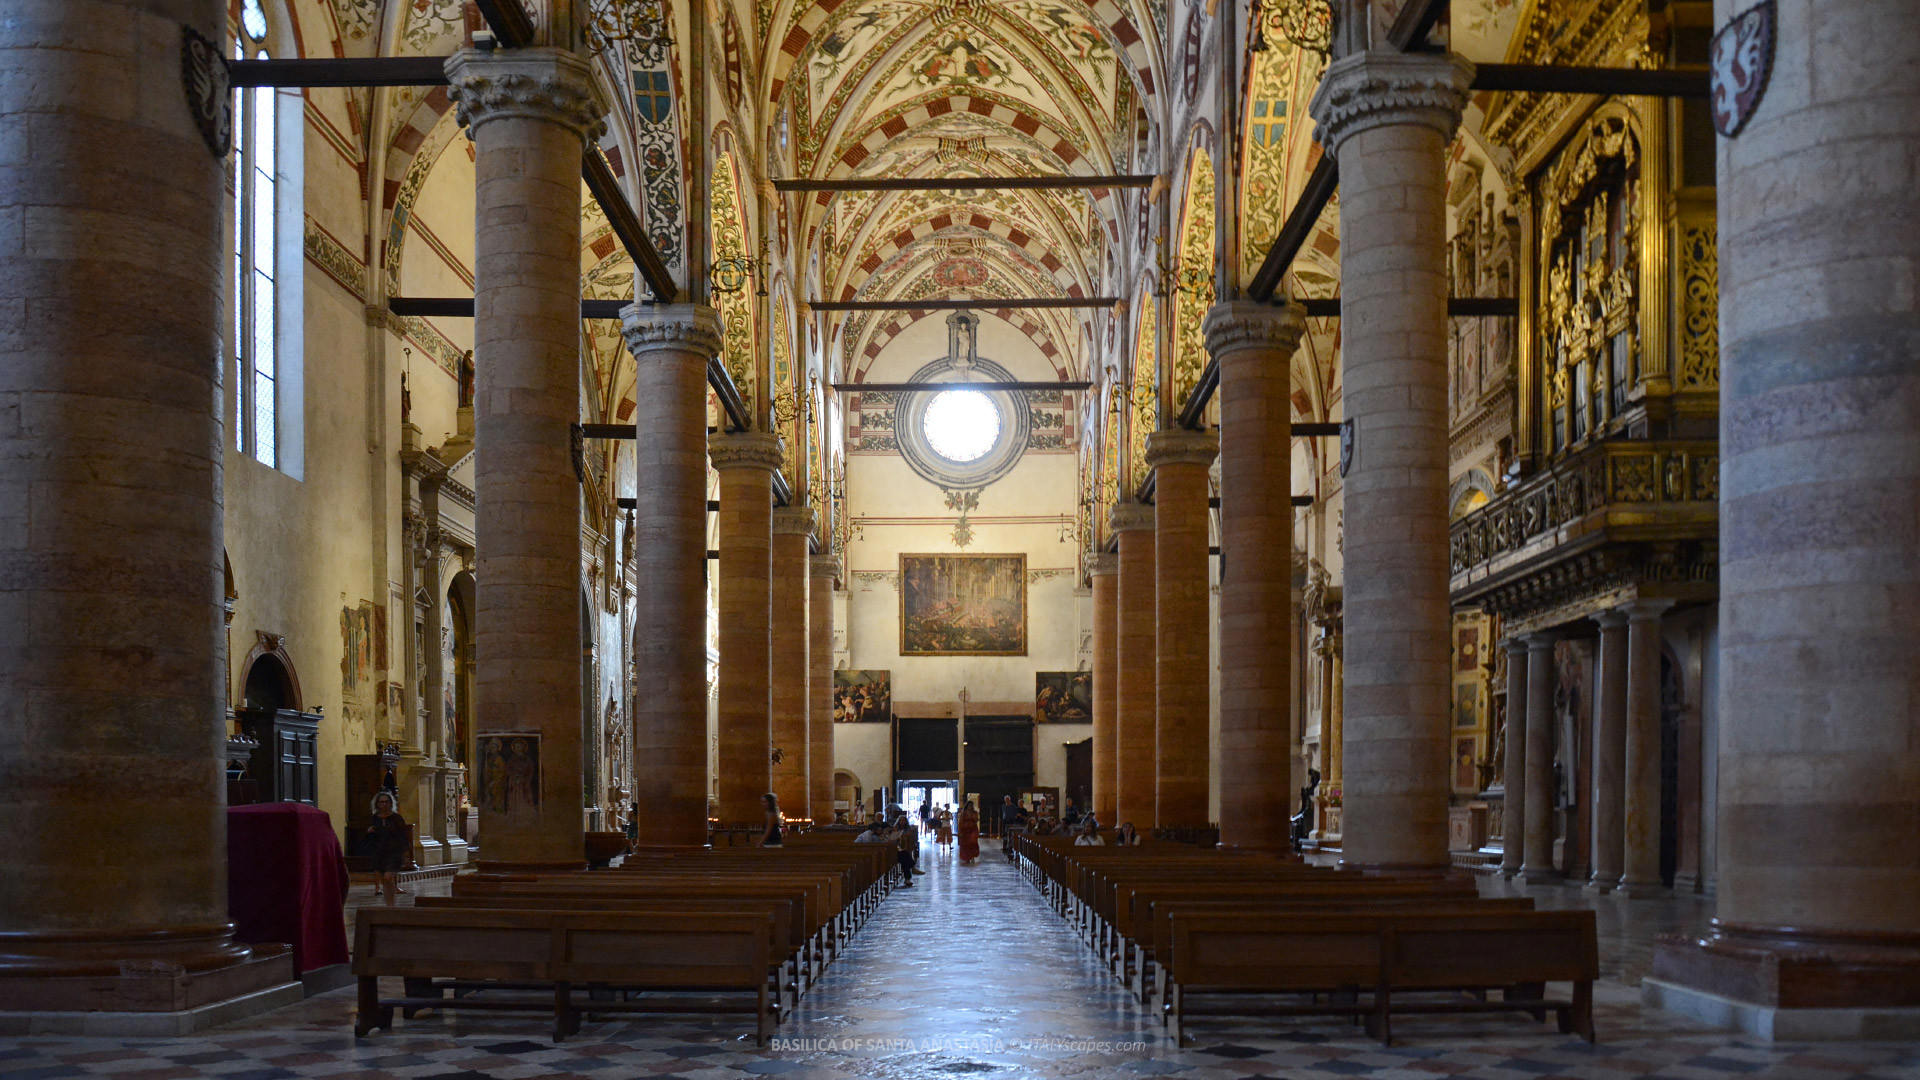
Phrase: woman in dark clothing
(774, 820)
(391, 838)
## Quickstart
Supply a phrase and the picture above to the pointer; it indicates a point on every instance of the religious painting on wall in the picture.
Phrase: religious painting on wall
(862, 697)
(1466, 764)
(1063, 697)
(1466, 653)
(356, 639)
(963, 605)
(507, 777)
(1466, 705)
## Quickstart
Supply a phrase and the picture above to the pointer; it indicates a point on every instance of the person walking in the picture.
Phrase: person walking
(776, 825)
(391, 838)
(969, 835)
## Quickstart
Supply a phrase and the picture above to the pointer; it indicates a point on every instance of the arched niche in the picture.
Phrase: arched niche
(268, 678)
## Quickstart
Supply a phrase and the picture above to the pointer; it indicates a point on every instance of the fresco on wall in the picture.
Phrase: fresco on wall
(508, 772)
(357, 647)
(862, 697)
(1063, 697)
(963, 605)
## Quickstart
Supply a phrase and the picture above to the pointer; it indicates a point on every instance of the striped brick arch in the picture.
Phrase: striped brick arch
(974, 225)
(1109, 15)
(896, 324)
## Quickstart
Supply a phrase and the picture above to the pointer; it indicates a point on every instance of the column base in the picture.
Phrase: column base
(1789, 985)
(1602, 884)
(160, 1000)
(1643, 890)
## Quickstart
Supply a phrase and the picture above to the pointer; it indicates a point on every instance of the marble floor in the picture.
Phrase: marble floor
(969, 973)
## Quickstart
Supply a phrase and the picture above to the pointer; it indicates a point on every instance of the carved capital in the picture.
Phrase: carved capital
(1132, 516)
(1243, 324)
(1178, 446)
(652, 328)
(824, 566)
(1104, 562)
(1385, 86)
(746, 450)
(551, 85)
(793, 521)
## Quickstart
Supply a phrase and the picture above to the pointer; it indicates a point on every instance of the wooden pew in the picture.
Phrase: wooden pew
(686, 951)
(1384, 953)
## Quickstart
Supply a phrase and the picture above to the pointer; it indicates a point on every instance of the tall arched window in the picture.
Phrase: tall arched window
(266, 198)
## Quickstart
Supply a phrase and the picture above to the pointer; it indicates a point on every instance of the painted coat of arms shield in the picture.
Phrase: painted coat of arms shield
(1741, 57)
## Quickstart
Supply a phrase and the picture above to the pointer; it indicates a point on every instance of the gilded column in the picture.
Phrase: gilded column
(824, 570)
(1134, 721)
(1331, 725)
(1180, 460)
(1610, 753)
(1254, 345)
(530, 113)
(1513, 810)
(1640, 874)
(791, 738)
(1389, 117)
(1537, 839)
(1819, 487)
(111, 457)
(746, 462)
(671, 345)
(1104, 570)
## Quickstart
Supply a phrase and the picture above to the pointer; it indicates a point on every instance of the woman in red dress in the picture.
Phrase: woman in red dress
(969, 835)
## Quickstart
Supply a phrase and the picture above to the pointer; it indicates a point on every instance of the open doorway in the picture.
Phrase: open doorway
(934, 794)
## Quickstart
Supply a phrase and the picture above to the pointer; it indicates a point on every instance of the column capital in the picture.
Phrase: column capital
(745, 450)
(1378, 87)
(1103, 563)
(793, 521)
(653, 327)
(1609, 620)
(1540, 640)
(1243, 324)
(1516, 645)
(1132, 517)
(826, 566)
(1646, 610)
(1179, 446)
(536, 83)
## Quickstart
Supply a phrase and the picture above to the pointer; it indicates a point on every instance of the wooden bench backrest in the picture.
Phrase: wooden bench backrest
(803, 908)
(682, 949)
(1158, 931)
(1134, 902)
(780, 914)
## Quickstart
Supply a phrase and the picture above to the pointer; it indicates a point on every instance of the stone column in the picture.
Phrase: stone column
(1254, 345)
(1104, 569)
(530, 113)
(824, 570)
(1389, 117)
(1180, 460)
(1513, 826)
(1640, 874)
(111, 450)
(671, 345)
(791, 527)
(1819, 764)
(1610, 754)
(1134, 716)
(1537, 840)
(430, 819)
(746, 461)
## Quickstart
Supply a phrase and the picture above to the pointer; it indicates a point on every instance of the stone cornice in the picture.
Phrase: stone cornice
(1177, 446)
(1385, 86)
(551, 85)
(793, 521)
(659, 327)
(1132, 517)
(746, 450)
(1104, 562)
(1243, 324)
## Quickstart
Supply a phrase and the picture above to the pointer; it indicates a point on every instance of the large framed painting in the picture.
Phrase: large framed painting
(1063, 697)
(963, 605)
(862, 697)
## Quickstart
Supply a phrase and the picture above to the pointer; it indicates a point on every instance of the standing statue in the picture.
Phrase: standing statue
(1303, 821)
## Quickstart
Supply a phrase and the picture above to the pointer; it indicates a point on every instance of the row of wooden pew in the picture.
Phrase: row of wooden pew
(725, 930)
(1194, 931)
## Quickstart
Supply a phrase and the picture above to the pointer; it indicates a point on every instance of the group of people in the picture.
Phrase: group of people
(1084, 828)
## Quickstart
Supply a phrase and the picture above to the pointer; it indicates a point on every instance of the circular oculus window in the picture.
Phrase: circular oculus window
(961, 425)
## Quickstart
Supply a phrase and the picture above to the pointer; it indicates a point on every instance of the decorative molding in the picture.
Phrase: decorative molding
(333, 258)
(867, 579)
(1385, 86)
(546, 84)
(1699, 305)
(655, 327)
(1243, 324)
(1177, 446)
(746, 450)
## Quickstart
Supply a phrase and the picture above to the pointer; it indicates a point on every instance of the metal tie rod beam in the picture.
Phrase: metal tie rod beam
(970, 183)
(340, 71)
(909, 387)
(985, 303)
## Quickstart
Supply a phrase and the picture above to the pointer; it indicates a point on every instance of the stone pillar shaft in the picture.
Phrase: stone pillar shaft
(791, 527)
(1640, 872)
(1610, 753)
(1105, 573)
(1180, 460)
(1513, 828)
(111, 453)
(529, 112)
(1389, 117)
(1537, 840)
(1134, 718)
(824, 569)
(1254, 345)
(746, 462)
(671, 346)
